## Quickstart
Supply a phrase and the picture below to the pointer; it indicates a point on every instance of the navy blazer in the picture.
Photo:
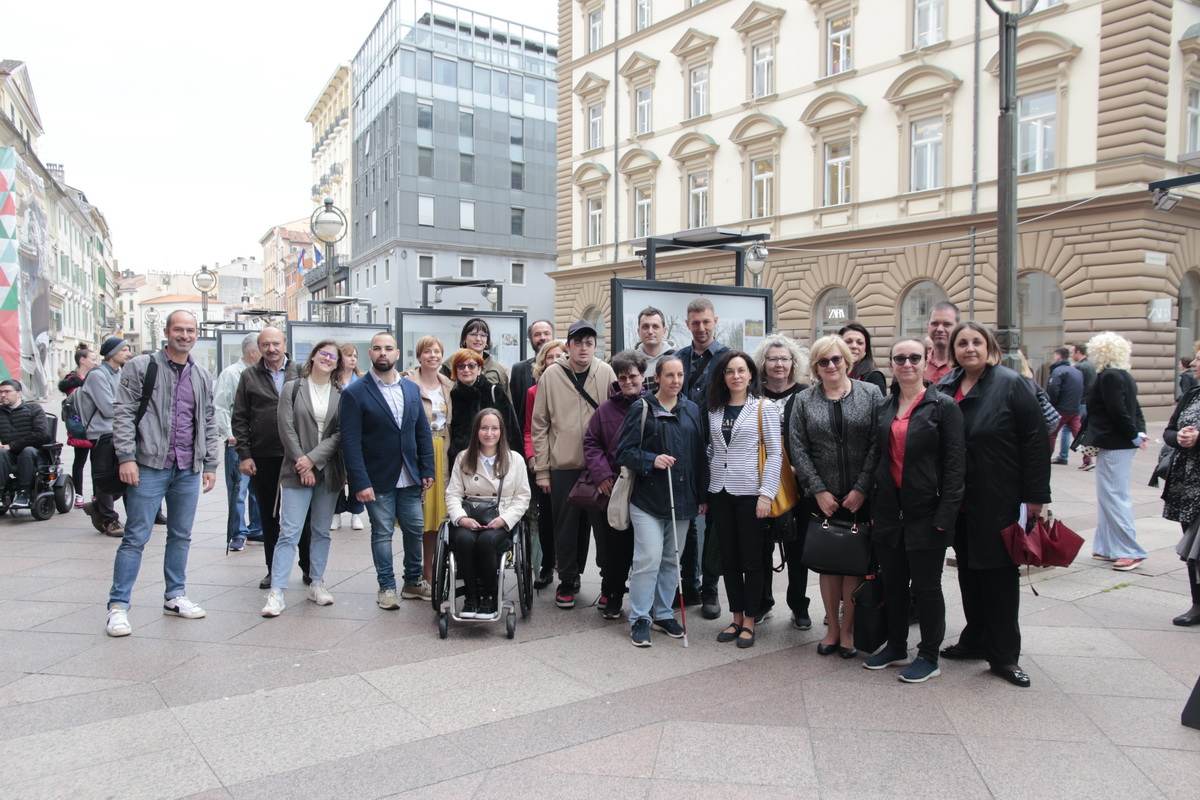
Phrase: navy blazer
(374, 460)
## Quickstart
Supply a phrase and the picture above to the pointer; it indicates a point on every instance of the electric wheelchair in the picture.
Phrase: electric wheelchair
(53, 489)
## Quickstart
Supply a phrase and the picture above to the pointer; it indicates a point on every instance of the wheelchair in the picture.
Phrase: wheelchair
(53, 489)
(446, 588)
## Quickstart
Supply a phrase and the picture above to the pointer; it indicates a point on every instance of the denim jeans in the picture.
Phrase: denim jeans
(655, 564)
(181, 488)
(237, 491)
(389, 507)
(295, 506)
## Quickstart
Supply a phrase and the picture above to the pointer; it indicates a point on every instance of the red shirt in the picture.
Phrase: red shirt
(934, 372)
(897, 439)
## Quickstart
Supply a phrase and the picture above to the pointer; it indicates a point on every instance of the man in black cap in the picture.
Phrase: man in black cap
(96, 409)
(23, 429)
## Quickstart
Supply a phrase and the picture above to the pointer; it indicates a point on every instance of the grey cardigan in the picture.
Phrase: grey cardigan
(298, 433)
(823, 461)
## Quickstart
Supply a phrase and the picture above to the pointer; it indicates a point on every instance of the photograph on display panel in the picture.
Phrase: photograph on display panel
(507, 330)
(744, 314)
(229, 347)
(204, 353)
(303, 335)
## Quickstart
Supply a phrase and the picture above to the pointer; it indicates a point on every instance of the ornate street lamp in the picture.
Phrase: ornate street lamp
(328, 226)
(152, 317)
(756, 261)
(205, 281)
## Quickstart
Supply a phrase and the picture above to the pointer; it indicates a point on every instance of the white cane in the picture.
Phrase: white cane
(678, 558)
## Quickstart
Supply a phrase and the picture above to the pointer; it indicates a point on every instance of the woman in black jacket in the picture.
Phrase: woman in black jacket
(1181, 495)
(472, 393)
(918, 490)
(1008, 464)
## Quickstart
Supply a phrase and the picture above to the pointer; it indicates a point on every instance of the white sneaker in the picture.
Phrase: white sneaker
(356, 522)
(118, 622)
(387, 599)
(336, 524)
(182, 607)
(275, 604)
(319, 594)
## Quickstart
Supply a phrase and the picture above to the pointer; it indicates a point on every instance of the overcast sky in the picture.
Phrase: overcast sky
(184, 122)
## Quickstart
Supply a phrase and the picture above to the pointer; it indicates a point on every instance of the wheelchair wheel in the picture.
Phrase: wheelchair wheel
(441, 575)
(64, 496)
(443, 626)
(42, 506)
(510, 625)
(523, 567)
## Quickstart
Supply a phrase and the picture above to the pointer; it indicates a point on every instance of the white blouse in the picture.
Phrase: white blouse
(319, 395)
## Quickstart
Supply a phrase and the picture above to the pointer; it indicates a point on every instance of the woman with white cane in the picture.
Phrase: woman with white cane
(662, 441)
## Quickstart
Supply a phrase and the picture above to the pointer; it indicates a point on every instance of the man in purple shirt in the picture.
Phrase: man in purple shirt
(165, 439)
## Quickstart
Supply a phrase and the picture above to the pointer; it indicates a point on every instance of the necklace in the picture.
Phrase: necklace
(840, 397)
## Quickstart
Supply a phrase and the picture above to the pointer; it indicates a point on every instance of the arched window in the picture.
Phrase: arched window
(914, 311)
(594, 315)
(1189, 314)
(834, 309)
(1040, 318)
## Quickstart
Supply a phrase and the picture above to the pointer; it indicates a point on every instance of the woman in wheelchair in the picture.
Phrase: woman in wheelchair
(487, 496)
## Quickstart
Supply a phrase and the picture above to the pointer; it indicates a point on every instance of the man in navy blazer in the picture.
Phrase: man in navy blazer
(388, 452)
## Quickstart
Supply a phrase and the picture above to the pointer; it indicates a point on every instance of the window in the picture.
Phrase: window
(595, 30)
(643, 20)
(425, 162)
(926, 154)
(764, 69)
(643, 209)
(518, 222)
(595, 227)
(837, 172)
(698, 80)
(466, 167)
(698, 200)
(1035, 132)
(1041, 5)
(834, 309)
(466, 268)
(445, 72)
(466, 123)
(517, 176)
(387, 270)
(466, 215)
(837, 44)
(425, 115)
(1193, 119)
(516, 130)
(425, 209)
(595, 126)
(642, 122)
(762, 187)
(374, 228)
(425, 267)
(928, 18)
(516, 274)
(915, 309)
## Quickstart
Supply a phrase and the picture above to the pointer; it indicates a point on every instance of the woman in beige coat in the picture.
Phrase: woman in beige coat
(435, 399)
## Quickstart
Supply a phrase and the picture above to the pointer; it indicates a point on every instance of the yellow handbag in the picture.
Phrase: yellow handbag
(787, 496)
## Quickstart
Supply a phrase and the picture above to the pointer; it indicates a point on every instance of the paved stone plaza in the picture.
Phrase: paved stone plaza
(349, 701)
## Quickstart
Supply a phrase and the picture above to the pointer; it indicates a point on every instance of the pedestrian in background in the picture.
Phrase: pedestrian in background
(348, 374)
(86, 360)
(237, 486)
(477, 337)
(96, 404)
(858, 340)
(1065, 390)
(1181, 495)
(1080, 360)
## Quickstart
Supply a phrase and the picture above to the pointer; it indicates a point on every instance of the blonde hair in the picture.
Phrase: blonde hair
(821, 348)
(1109, 349)
(798, 353)
(539, 365)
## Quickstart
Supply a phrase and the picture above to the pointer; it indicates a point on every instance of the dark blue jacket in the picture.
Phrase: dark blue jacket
(679, 433)
(1065, 387)
(695, 387)
(373, 447)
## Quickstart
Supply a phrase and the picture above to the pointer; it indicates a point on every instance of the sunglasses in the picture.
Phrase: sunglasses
(912, 358)
(825, 362)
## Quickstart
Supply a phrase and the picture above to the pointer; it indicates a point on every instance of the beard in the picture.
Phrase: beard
(382, 365)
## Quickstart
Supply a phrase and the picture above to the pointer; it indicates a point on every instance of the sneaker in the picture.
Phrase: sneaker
(118, 622)
(670, 626)
(801, 622)
(887, 658)
(114, 529)
(78, 501)
(1126, 564)
(1088, 466)
(612, 609)
(545, 578)
(237, 544)
(470, 608)
(640, 636)
(487, 606)
(417, 591)
(920, 670)
(565, 596)
(764, 615)
(387, 599)
(356, 522)
(336, 524)
(319, 594)
(710, 605)
(1059, 462)
(182, 607)
(275, 604)
(602, 603)
(21, 499)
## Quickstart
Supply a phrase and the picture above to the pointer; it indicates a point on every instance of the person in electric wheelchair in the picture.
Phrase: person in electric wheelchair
(30, 470)
(487, 496)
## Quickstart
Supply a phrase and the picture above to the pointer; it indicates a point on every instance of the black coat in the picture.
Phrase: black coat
(23, 426)
(1114, 417)
(467, 401)
(519, 381)
(1065, 387)
(1008, 459)
(935, 463)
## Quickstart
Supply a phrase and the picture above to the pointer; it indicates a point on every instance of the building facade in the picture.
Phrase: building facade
(287, 251)
(860, 136)
(332, 165)
(239, 286)
(454, 121)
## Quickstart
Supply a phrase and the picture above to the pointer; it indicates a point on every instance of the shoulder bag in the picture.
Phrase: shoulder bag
(106, 476)
(837, 545)
(586, 495)
(786, 497)
(484, 510)
(622, 492)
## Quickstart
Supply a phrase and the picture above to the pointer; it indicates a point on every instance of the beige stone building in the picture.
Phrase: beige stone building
(282, 283)
(332, 165)
(860, 135)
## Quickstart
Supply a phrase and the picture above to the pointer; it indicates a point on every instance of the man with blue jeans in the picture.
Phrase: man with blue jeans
(165, 439)
(237, 485)
(388, 451)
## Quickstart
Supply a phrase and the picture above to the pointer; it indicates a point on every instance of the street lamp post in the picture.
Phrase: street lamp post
(1007, 333)
(328, 225)
(152, 318)
(205, 281)
(756, 261)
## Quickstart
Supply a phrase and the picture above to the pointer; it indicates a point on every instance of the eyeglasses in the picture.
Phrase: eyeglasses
(825, 362)
(327, 356)
(629, 378)
(470, 365)
(912, 358)
(779, 359)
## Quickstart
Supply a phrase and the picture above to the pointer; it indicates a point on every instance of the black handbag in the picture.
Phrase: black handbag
(105, 469)
(484, 510)
(586, 495)
(837, 545)
(870, 615)
(1166, 457)
(782, 529)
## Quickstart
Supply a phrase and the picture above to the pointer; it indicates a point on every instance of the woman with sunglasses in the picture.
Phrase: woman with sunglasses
(858, 340)
(472, 392)
(918, 491)
(312, 474)
(477, 337)
(835, 450)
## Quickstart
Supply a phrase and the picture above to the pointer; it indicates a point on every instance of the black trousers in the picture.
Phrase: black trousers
(265, 485)
(23, 464)
(477, 558)
(741, 535)
(618, 553)
(571, 527)
(545, 524)
(797, 574)
(81, 457)
(693, 552)
(923, 568)
(991, 602)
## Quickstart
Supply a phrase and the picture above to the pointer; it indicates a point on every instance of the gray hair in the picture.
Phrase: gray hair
(799, 355)
(249, 342)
